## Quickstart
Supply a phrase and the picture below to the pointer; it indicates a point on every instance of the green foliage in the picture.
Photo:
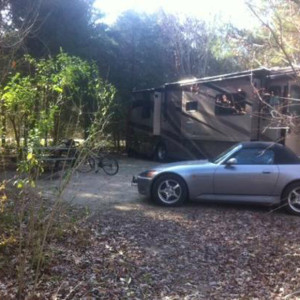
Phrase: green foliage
(57, 92)
(19, 96)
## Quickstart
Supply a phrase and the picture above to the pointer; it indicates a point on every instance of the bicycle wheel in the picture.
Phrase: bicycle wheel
(86, 165)
(109, 165)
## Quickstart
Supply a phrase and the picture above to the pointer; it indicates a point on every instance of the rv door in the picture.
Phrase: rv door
(157, 113)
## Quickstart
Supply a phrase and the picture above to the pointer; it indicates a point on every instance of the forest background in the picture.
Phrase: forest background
(58, 57)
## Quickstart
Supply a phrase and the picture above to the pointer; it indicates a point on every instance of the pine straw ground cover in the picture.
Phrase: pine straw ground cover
(141, 251)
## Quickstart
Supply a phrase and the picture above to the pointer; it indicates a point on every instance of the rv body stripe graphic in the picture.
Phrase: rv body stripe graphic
(195, 119)
(236, 127)
(194, 147)
(189, 146)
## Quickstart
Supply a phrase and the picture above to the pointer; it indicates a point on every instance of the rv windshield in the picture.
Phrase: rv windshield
(227, 153)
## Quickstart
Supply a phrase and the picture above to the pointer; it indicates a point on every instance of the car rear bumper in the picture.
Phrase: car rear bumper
(143, 184)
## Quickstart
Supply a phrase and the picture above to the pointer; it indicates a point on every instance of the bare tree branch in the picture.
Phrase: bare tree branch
(275, 36)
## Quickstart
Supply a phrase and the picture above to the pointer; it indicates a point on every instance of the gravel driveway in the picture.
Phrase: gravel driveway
(94, 190)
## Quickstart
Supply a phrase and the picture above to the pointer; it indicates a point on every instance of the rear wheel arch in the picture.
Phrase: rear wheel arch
(287, 187)
(290, 197)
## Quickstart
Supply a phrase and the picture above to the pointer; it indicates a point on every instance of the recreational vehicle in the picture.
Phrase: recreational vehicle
(200, 118)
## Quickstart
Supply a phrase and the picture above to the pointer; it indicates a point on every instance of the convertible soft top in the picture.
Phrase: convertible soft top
(283, 155)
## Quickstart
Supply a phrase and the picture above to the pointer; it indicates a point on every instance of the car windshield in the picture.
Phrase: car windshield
(225, 154)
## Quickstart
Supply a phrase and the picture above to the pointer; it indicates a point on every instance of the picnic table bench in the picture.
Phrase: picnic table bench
(56, 154)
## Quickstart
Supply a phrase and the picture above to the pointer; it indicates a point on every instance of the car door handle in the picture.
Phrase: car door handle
(266, 172)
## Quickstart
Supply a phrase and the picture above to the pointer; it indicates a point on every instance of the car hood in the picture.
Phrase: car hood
(182, 165)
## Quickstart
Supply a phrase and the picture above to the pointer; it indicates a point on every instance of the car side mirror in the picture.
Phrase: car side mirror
(231, 161)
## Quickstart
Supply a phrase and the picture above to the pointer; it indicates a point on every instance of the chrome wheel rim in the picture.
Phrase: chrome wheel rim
(169, 191)
(294, 199)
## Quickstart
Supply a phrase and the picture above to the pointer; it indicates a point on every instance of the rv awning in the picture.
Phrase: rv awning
(270, 73)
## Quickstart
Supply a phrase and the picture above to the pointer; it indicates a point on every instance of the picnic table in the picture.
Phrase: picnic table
(51, 156)
(56, 154)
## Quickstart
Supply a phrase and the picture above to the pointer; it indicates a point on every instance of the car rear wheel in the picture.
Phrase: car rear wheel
(291, 198)
(169, 190)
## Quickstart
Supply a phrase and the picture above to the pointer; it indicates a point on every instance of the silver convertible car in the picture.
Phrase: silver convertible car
(250, 172)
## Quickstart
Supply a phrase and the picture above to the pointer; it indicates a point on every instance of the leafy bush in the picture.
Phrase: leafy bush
(58, 96)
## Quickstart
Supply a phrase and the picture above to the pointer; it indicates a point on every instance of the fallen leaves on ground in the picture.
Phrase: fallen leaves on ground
(141, 251)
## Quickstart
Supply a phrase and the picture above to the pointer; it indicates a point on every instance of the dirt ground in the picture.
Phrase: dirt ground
(199, 251)
(128, 248)
(94, 190)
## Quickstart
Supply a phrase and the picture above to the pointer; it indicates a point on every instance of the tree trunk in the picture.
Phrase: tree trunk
(26, 129)
(56, 128)
(3, 119)
(17, 137)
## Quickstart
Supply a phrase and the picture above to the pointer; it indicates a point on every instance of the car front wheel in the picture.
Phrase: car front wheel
(169, 190)
(291, 198)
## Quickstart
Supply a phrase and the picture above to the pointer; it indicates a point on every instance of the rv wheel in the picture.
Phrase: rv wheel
(131, 152)
(161, 152)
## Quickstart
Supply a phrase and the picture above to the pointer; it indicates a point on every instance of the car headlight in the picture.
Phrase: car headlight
(149, 174)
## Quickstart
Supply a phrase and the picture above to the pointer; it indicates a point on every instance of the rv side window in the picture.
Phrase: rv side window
(275, 96)
(231, 104)
(191, 105)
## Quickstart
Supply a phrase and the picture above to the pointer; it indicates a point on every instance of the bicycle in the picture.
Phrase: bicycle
(94, 161)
